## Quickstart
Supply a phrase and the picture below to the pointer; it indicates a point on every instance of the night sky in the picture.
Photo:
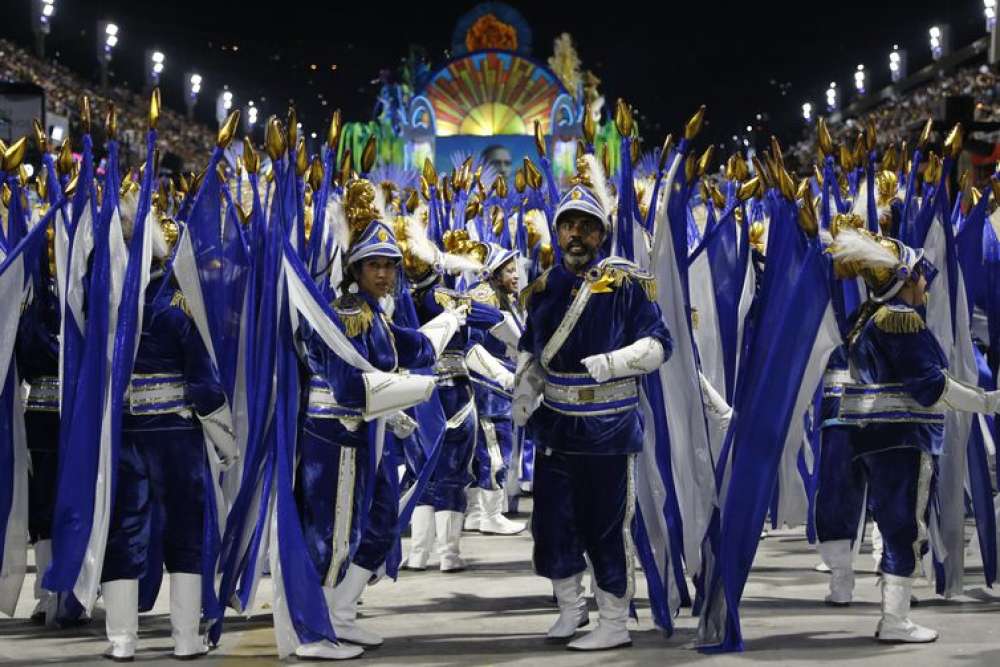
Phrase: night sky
(740, 59)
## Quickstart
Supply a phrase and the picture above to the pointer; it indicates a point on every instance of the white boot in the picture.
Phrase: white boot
(324, 650)
(474, 512)
(421, 537)
(185, 615)
(494, 522)
(610, 631)
(839, 556)
(449, 534)
(877, 547)
(48, 602)
(121, 617)
(343, 603)
(895, 625)
(572, 608)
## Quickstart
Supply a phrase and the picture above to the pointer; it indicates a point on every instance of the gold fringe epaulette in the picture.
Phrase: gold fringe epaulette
(444, 299)
(621, 274)
(355, 313)
(178, 301)
(537, 286)
(898, 320)
(483, 293)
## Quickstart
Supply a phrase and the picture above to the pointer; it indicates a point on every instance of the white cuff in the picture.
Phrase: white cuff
(507, 331)
(402, 424)
(528, 386)
(719, 412)
(967, 398)
(389, 392)
(217, 428)
(480, 361)
(440, 330)
(641, 357)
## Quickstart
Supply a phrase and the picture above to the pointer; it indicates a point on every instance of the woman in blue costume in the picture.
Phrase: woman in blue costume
(345, 491)
(898, 403)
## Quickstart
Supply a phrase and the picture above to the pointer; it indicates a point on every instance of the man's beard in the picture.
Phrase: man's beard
(577, 261)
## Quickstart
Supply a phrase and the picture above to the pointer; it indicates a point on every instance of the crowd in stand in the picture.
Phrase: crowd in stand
(186, 139)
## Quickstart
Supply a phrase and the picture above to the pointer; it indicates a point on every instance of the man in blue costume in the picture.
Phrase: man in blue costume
(903, 390)
(349, 510)
(162, 462)
(593, 329)
(492, 375)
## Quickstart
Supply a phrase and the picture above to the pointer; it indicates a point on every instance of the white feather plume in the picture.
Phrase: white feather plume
(852, 245)
(424, 250)
(127, 208)
(381, 206)
(540, 222)
(336, 223)
(599, 181)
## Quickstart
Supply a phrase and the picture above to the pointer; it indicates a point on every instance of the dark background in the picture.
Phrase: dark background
(740, 59)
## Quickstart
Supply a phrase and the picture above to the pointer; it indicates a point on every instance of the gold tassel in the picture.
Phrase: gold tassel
(178, 301)
(896, 321)
(357, 316)
(483, 293)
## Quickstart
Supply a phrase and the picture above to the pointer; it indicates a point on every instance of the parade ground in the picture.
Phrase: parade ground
(497, 612)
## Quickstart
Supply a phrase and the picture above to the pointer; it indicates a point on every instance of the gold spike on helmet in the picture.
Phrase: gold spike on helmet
(842, 220)
(359, 205)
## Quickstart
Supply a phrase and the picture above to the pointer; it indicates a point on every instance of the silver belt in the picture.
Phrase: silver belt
(576, 394)
(451, 364)
(157, 394)
(43, 394)
(834, 381)
(864, 404)
(323, 405)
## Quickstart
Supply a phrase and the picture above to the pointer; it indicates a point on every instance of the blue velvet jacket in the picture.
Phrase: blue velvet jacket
(896, 346)
(611, 320)
(429, 303)
(385, 345)
(170, 343)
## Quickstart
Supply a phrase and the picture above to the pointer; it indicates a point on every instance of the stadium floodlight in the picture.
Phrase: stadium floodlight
(939, 41)
(192, 87)
(859, 79)
(107, 39)
(110, 38)
(832, 98)
(41, 23)
(990, 12)
(897, 63)
(156, 61)
(807, 111)
(224, 103)
(251, 115)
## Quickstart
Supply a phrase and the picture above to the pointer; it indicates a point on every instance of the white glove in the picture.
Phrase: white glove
(967, 398)
(641, 357)
(719, 412)
(480, 361)
(441, 329)
(217, 428)
(507, 331)
(386, 393)
(461, 313)
(528, 386)
(402, 424)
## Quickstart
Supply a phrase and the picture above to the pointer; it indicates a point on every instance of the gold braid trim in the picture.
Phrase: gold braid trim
(537, 286)
(483, 293)
(178, 301)
(445, 300)
(356, 315)
(898, 321)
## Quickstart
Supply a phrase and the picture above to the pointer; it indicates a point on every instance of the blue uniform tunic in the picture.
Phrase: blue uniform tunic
(328, 442)
(894, 346)
(583, 466)
(162, 459)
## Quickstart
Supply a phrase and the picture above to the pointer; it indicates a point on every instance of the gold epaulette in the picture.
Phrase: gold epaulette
(537, 286)
(622, 273)
(483, 293)
(355, 313)
(178, 301)
(898, 320)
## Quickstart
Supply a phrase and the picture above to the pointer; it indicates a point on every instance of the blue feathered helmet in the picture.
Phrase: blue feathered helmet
(589, 193)
(370, 237)
(495, 260)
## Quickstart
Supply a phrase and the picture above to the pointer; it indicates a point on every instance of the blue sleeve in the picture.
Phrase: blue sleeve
(344, 380)
(646, 319)
(915, 361)
(413, 348)
(203, 385)
(483, 316)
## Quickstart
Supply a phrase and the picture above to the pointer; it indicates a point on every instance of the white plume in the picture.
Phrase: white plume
(852, 245)
(540, 222)
(600, 184)
(424, 250)
(336, 223)
(382, 206)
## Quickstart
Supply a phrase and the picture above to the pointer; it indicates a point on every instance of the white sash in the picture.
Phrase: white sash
(569, 321)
